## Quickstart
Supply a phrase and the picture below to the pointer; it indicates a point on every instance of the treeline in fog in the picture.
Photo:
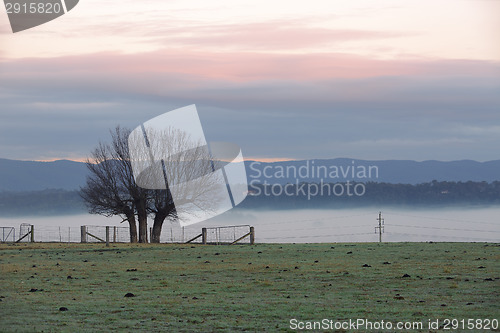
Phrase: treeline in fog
(289, 196)
(46, 202)
(352, 194)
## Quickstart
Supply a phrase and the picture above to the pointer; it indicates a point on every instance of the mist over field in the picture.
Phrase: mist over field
(357, 225)
(321, 225)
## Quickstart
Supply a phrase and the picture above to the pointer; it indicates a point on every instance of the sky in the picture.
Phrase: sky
(376, 80)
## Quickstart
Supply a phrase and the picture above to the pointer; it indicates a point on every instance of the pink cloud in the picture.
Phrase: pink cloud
(241, 66)
(183, 70)
(217, 52)
(273, 35)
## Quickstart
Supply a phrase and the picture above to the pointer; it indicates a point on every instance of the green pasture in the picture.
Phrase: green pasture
(209, 288)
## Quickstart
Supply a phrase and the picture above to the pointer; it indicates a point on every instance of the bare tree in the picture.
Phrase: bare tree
(110, 188)
(174, 178)
(178, 170)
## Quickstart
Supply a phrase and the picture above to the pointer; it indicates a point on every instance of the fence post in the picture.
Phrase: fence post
(83, 234)
(107, 235)
(114, 234)
(252, 235)
(204, 235)
(32, 233)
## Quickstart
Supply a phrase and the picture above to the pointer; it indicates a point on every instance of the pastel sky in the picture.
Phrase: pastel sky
(381, 79)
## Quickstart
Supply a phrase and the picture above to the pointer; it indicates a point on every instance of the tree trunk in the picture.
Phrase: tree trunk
(143, 229)
(132, 227)
(142, 217)
(157, 225)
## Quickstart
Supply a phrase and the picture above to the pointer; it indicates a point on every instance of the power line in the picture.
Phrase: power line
(379, 228)
(443, 219)
(445, 236)
(316, 228)
(317, 236)
(438, 228)
(321, 219)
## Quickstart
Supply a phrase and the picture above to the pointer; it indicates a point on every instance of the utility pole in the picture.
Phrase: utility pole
(380, 227)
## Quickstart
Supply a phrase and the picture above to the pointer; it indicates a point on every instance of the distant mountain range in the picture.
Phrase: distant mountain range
(34, 176)
(69, 175)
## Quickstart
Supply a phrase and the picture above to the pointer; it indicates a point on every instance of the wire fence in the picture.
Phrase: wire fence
(398, 227)
(7, 234)
(55, 234)
(170, 233)
(62, 234)
(97, 233)
(228, 234)
(213, 235)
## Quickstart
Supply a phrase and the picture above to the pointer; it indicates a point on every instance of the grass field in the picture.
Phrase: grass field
(205, 288)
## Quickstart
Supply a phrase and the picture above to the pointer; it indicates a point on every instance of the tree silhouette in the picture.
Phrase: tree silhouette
(179, 165)
(179, 172)
(110, 187)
